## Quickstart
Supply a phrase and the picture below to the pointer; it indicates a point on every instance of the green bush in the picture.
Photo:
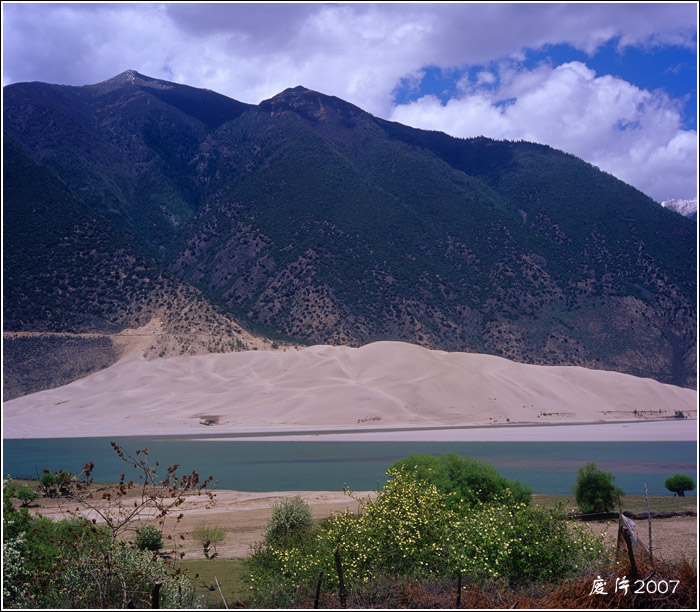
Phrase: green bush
(79, 563)
(290, 518)
(594, 490)
(409, 532)
(149, 538)
(131, 581)
(26, 495)
(465, 480)
(678, 484)
(56, 484)
(46, 548)
(208, 537)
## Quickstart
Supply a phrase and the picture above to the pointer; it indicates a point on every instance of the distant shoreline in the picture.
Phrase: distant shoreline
(684, 430)
(658, 430)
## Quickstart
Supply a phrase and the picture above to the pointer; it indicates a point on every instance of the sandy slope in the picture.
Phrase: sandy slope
(385, 384)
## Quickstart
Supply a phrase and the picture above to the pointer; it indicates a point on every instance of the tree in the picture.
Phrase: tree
(21, 492)
(289, 518)
(678, 484)
(26, 495)
(594, 490)
(464, 479)
(208, 537)
(149, 538)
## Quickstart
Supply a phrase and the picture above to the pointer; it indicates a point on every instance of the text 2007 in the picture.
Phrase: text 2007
(654, 586)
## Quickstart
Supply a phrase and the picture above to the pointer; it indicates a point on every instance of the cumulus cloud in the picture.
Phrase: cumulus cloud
(635, 134)
(363, 52)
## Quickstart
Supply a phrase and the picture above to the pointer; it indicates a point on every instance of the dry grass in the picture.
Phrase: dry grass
(568, 595)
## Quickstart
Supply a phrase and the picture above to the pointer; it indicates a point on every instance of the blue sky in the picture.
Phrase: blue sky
(613, 83)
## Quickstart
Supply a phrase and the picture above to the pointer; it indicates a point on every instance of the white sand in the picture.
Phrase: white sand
(381, 385)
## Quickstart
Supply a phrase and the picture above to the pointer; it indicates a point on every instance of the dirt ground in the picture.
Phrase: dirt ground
(671, 538)
(243, 516)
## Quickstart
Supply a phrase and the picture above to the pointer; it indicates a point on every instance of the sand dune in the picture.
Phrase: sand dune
(380, 385)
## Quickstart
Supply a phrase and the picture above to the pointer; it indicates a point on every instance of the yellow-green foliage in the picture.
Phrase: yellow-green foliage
(409, 531)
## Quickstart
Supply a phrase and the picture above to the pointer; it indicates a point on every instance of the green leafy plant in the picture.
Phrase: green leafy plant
(80, 563)
(594, 489)
(290, 517)
(678, 484)
(208, 537)
(408, 532)
(130, 584)
(149, 538)
(11, 490)
(26, 495)
(56, 484)
(464, 479)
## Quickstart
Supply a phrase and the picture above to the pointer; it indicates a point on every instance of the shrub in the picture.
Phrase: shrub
(56, 484)
(594, 490)
(78, 563)
(149, 538)
(290, 517)
(47, 547)
(208, 537)
(15, 575)
(26, 495)
(678, 484)
(23, 493)
(129, 585)
(465, 480)
(408, 532)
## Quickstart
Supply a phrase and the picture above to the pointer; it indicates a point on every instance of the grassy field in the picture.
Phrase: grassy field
(632, 503)
(228, 572)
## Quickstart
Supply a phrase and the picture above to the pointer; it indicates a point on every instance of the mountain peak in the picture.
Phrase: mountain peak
(311, 105)
(126, 78)
(297, 89)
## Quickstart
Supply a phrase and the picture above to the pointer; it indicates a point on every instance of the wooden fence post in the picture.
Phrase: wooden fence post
(318, 590)
(155, 595)
(459, 590)
(339, 568)
(633, 565)
(646, 494)
(218, 586)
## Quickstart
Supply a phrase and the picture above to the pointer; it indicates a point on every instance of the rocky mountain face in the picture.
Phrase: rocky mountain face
(687, 208)
(308, 217)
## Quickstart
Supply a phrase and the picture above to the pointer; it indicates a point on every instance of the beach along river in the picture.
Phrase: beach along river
(249, 465)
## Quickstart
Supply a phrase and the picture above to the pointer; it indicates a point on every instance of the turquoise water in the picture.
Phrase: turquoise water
(547, 467)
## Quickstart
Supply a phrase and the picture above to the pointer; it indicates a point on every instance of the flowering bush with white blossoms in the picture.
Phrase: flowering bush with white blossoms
(410, 532)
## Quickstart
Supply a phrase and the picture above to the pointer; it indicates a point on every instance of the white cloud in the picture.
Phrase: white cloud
(632, 133)
(362, 52)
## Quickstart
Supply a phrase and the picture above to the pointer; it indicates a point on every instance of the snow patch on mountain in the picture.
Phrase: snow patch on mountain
(687, 208)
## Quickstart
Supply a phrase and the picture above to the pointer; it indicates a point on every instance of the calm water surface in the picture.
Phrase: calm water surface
(547, 467)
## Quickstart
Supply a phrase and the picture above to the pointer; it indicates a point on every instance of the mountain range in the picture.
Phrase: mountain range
(306, 219)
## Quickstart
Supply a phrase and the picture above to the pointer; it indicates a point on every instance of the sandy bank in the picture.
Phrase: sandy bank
(646, 431)
(378, 386)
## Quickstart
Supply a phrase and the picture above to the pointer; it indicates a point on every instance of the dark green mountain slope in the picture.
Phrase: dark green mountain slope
(123, 146)
(311, 217)
(73, 280)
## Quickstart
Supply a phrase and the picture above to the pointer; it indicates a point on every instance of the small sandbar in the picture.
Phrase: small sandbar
(648, 431)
